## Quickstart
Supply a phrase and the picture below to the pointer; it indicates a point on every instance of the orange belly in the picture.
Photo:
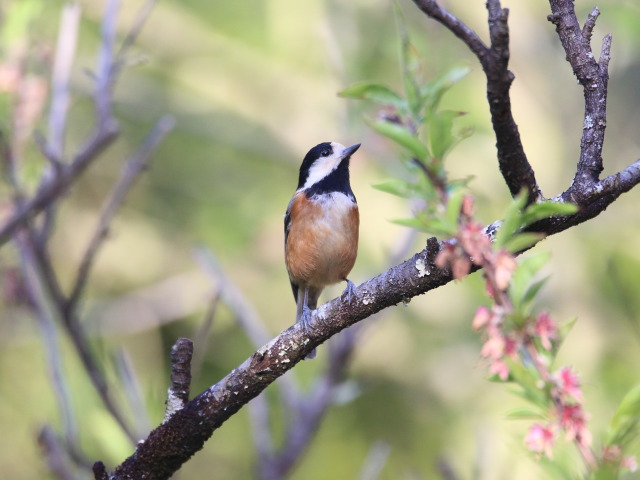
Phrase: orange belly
(322, 243)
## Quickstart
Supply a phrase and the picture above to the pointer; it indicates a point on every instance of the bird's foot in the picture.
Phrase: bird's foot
(305, 319)
(349, 292)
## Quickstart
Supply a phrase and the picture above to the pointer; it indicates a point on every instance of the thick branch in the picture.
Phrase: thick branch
(176, 440)
(514, 165)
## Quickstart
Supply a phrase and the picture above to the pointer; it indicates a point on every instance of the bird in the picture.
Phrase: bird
(321, 228)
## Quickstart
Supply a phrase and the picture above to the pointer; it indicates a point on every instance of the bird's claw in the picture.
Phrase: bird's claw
(350, 291)
(305, 319)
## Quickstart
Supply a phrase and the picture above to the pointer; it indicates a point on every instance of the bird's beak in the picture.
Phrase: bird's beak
(347, 152)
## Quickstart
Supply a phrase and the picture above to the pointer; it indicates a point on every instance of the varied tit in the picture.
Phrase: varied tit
(321, 228)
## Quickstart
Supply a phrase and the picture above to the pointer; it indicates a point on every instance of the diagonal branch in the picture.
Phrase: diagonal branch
(134, 167)
(513, 162)
(176, 440)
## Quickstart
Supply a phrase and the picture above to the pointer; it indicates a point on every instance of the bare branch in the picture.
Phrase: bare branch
(105, 69)
(587, 28)
(513, 162)
(178, 395)
(377, 457)
(132, 390)
(446, 470)
(65, 53)
(134, 167)
(594, 80)
(457, 27)
(34, 287)
(55, 455)
(202, 334)
(132, 36)
(245, 314)
(621, 182)
(60, 183)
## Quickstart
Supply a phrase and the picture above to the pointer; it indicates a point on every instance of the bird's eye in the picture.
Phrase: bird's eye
(325, 152)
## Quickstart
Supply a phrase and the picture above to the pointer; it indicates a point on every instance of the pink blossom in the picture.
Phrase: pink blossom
(546, 329)
(569, 384)
(494, 346)
(613, 454)
(500, 368)
(468, 206)
(574, 422)
(540, 439)
(474, 241)
(511, 347)
(481, 318)
(505, 265)
(629, 463)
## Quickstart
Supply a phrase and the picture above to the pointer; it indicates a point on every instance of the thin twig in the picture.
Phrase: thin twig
(201, 336)
(375, 461)
(132, 390)
(455, 25)
(60, 184)
(70, 322)
(138, 24)
(55, 455)
(49, 338)
(246, 315)
(132, 170)
(65, 53)
(105, 70)
(446, 470)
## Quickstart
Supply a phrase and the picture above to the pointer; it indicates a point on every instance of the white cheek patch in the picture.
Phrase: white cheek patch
(324, 165)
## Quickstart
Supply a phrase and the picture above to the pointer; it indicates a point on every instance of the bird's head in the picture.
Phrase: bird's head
(322, 160)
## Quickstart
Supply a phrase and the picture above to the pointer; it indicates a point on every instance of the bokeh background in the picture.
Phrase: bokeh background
(252, 86)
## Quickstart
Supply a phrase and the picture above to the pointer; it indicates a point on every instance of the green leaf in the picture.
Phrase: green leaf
(433, 91)
(527, 380)
(454, 204)
(411, 222)
(374, 92)
(529, 295)
(626, 418)
(540, 211)
(522, 241)
(401, 136)
(523, 276)
(410, 62)
(395, 186)
(441, 136)
(525, 414)
(512, 221)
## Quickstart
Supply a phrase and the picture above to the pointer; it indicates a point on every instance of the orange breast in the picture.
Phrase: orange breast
(322, 243)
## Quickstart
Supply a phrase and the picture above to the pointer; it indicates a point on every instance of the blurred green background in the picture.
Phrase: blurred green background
(252, 86)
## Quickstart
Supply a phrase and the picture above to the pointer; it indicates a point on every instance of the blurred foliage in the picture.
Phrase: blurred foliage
(253, 85)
